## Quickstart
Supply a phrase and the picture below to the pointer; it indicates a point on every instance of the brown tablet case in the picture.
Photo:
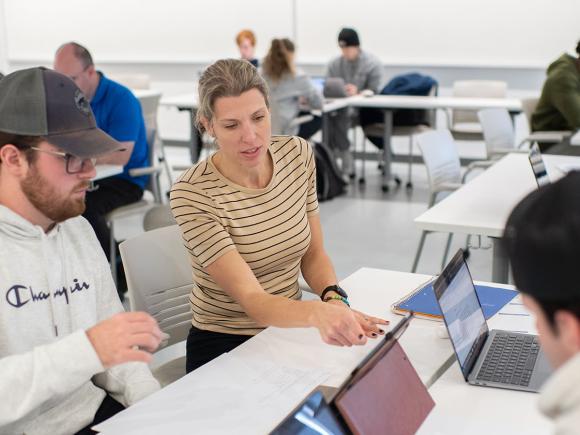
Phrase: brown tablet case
(389, 399)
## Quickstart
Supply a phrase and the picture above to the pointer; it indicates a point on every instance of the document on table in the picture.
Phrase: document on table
(225, 396)
(514, 317)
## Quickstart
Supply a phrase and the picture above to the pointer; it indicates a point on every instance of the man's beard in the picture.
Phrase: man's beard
(46, 199)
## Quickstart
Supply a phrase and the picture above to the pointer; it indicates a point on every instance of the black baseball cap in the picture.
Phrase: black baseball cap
(543, 241)
(348, 38)
(41, 102)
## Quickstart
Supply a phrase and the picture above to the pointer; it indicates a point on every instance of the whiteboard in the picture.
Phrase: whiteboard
(142, 30)
(443, 32)
(480, 33)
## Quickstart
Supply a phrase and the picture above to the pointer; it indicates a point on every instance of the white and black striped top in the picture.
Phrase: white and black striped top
(269, 228)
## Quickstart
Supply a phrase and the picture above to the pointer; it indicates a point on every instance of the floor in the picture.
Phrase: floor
(369, 228)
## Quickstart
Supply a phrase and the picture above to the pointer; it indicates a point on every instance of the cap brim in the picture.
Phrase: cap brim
(87, 143)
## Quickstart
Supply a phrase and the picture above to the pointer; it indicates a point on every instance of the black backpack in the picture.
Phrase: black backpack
(329, 182)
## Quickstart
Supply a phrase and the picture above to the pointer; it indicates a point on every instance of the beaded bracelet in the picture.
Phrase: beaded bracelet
(338, 298)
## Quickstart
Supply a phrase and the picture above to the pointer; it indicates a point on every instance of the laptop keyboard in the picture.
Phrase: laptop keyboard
(510, 359)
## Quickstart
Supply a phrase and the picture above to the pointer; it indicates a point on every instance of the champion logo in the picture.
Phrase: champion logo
(19, 295)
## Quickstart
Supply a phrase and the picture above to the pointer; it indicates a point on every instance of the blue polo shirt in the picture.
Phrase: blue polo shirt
(118, 112)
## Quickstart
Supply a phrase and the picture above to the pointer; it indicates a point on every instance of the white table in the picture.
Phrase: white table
(389, 103)
(212, 398)
(104, 171)
(483, 205)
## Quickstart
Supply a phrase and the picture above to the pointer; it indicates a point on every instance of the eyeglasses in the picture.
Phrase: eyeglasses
(74, 164)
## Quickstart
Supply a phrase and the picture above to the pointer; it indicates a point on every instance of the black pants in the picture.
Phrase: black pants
(203, 346)
(308, 129)
(108, 408)
(113, 192)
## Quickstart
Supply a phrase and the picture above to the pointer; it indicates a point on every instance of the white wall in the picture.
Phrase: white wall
(172, 40)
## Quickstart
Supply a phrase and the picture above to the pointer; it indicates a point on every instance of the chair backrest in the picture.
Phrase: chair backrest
(498, 130)
(475, 89)
(441, 159)
(159, 279)
(529, 107)
(149, 107)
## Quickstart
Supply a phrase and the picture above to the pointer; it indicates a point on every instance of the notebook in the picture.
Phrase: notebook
(423, 303)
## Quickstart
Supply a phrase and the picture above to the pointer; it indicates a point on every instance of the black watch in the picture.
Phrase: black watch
(333, 288)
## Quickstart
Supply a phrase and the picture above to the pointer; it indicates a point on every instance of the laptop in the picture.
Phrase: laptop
(383, 394)
(334, 87)
(538, 166)
(495, 358)
(318, 83)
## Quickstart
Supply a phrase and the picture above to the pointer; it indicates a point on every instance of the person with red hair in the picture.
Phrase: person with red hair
(246, 41)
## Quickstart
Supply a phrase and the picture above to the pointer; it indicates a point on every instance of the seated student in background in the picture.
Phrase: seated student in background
(69, 356)
(360, 70)
(290, 90)
(118, 113)
(559, 104)
(246, 41)
(249, 217)
(543, 241)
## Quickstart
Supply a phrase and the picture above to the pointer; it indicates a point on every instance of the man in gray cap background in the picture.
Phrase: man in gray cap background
(360, 71)
(543, 242)
(70, 356)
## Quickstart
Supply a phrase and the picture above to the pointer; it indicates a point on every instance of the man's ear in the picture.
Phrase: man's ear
(13, 159)
(568, 328)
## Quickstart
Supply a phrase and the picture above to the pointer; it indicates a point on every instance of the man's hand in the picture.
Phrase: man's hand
(350, 89)
(125, 337)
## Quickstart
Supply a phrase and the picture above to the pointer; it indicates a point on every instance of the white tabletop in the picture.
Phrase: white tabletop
(252, 388)
(484, 204)
(426, 102)
(104, 171)
(181, 101)
(142, 93)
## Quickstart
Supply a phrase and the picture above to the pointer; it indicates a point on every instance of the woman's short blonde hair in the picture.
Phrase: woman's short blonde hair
(226, 78)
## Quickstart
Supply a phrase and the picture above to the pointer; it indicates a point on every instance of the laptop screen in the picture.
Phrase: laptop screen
(538, 166)
(318, 82)
(312, 416)
(461, 311)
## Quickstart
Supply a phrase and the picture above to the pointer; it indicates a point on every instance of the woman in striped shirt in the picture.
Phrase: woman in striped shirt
(249, 218)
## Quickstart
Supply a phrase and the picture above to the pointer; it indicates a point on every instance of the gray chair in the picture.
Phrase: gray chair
(464, 124)
(444, 175)
(529, 107)
(159, 280)
(138, 207)
(158, 216)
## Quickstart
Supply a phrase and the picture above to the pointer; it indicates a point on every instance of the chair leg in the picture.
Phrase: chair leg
(113, 252)
(362, 179)
(410, 171)
(419, 251)
(446, 253)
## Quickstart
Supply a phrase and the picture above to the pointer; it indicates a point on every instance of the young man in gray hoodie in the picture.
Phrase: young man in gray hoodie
(69, 356)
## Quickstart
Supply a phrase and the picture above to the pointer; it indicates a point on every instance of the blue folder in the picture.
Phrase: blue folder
(424, 303)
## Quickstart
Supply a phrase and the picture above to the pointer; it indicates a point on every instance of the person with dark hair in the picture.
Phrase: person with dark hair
(559, 105)
(360, 71)
(69, 356)
(291, 91)
(543, 243)
(249, 219)
(118, 113)
(246, 42)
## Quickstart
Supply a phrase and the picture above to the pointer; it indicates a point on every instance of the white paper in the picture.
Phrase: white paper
(228, 395)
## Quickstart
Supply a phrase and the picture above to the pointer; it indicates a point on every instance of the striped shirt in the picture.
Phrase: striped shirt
(268, 227)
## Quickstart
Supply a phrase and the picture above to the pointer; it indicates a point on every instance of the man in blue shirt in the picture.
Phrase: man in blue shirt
(118, 113)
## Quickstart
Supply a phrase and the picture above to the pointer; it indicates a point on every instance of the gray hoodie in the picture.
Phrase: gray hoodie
(53, 287)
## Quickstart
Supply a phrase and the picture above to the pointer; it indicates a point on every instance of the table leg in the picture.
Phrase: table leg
(387, 154)
(195, 147)
(500, 264)
(325, 122)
